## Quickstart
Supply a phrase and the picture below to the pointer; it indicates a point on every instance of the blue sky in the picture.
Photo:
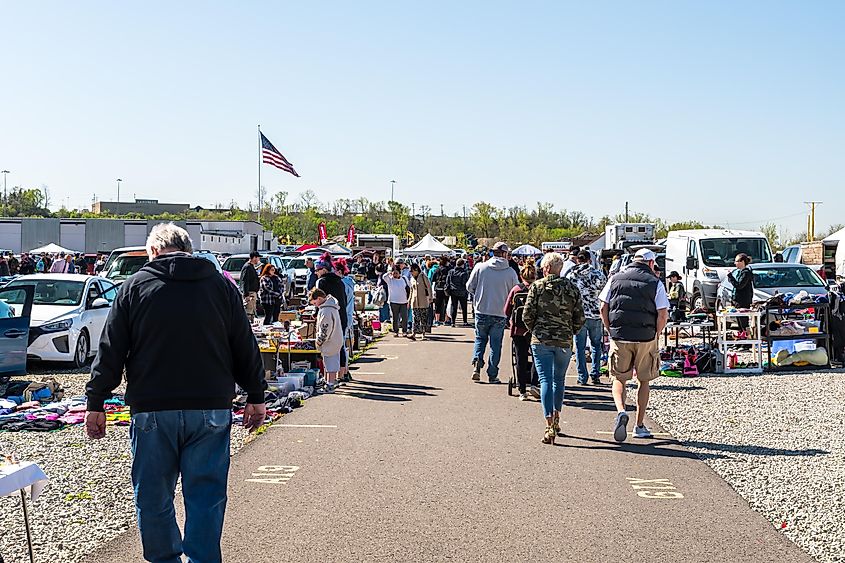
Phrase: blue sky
(725, 112)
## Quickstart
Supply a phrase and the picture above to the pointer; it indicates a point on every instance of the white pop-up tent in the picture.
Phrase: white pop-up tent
(52, 248)
(428, 245)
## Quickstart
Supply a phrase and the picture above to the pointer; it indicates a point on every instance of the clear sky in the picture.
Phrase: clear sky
(725, 112)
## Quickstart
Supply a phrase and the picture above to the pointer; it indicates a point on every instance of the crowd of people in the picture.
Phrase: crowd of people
(59, 263)
(554, 306)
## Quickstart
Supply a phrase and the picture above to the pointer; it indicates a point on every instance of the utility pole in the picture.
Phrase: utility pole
(441, 210)
(626, 211)
(119, 180)
(811, 220)
(5, 197)
(392, 213)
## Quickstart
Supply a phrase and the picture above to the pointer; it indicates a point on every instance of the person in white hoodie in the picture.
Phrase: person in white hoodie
(329, 334)
(490, 283)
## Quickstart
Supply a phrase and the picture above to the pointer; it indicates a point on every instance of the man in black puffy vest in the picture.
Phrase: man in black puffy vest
(634, 309)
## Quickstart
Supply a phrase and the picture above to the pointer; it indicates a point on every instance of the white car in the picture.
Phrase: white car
(68, 315)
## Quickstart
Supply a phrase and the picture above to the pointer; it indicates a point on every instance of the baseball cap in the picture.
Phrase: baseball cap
(501, 247)
(645, 255)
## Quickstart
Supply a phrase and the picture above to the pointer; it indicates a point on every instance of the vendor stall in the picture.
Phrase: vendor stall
(17, 477)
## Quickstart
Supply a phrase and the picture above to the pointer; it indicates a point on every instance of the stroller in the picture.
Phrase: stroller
(516, 315)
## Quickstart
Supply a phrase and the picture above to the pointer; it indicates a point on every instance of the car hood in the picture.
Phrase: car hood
(44, 314)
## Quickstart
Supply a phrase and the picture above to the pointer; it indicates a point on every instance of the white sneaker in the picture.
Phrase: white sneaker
(523, 396)
(642, 432)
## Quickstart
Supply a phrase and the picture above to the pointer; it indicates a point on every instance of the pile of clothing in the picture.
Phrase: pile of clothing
(276, 402)
(687, 361)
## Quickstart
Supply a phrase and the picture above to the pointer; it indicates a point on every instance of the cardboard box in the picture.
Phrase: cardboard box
(308, 330)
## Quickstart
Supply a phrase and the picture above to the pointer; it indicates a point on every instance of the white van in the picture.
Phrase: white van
(703, 257)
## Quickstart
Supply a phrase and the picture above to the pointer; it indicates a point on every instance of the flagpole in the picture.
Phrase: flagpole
(259, 173)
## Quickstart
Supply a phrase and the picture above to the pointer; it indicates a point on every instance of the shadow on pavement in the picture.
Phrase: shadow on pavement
(649, 448)
(368, 360)
(388, 392)
(749, 450)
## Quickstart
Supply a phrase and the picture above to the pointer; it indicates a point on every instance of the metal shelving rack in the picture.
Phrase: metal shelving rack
(821, 312)
(722, 341)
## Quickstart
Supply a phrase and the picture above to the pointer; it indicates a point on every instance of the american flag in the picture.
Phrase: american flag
(271, 155)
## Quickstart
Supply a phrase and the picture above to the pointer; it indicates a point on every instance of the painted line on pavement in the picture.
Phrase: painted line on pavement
(356, 372)
(273, 474)
(654, 488)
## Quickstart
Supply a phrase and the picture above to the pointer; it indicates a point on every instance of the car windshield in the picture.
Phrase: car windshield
(721, 252)
(297, 263)
(234, 264)
(125, 265)
(48, 292)
(786, 277)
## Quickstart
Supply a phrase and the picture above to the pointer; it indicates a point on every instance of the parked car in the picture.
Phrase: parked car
(118, 251)
(296, 267)
(68, 314)
(776, 278)
(628, 257)
(124, 265)
(235, 263)
(14, 329)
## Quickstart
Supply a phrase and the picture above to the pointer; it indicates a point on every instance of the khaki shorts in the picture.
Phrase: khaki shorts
(629, 357)
(249, 303)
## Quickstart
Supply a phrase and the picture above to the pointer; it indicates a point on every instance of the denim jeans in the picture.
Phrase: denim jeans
(592, 329)
(488, 327)
(195, 445)
(551, 363)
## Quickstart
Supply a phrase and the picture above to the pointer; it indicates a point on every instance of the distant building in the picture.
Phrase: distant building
(104, 235)
(141, 206)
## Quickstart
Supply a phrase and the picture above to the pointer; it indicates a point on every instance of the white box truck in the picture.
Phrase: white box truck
(703, 257)
(620, 236)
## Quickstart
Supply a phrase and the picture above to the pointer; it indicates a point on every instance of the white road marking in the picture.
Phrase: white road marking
(356, 372)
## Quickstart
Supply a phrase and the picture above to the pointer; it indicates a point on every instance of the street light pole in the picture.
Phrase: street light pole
(5, 197)
(392, 213)
(119, 180)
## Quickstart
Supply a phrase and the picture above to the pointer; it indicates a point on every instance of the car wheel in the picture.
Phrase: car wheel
(83, 347)
(697, 301)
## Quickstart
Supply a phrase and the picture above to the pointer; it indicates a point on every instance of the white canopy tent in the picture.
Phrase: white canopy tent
(428, 245)
(526, 250)
(52, 248)
(838, 235)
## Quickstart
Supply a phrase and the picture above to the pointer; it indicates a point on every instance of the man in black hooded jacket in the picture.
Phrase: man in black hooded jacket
(180, 331)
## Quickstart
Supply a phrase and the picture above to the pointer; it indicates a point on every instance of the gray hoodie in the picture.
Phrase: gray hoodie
(489, 284)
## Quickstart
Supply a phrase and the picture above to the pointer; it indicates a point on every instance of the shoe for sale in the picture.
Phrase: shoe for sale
(642, 432)
(549, 436)
(620, 431)
(523, 396)
(535, 391)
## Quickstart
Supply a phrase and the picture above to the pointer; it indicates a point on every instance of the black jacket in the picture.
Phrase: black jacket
(633, 311)
(180, 330)
(249, 279)
(743, 284)
(332, 284)
(456, 282)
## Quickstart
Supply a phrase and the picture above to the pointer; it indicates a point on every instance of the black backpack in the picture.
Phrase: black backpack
(518, 303)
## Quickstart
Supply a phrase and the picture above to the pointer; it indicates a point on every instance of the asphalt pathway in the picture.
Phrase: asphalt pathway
(414, 462)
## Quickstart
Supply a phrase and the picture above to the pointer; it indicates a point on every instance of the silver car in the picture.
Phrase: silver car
(773, 278)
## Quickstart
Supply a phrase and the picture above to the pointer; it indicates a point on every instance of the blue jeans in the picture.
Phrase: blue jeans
(488, 327)
(551, 363)
(195, 444)
(592, 329)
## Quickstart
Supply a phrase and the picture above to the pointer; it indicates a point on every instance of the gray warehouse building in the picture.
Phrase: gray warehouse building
(104, 235)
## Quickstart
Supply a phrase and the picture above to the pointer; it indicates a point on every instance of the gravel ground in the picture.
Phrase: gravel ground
(778, 440)
(89, 497)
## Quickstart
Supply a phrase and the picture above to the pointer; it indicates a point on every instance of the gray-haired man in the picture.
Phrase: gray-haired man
(181, 401)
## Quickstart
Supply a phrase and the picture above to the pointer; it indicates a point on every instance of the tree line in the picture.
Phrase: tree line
(295, 221)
